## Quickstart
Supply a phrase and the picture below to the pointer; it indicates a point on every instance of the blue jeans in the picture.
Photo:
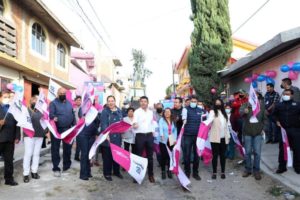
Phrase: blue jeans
(230, 153)
(85, 142)
(253, 145)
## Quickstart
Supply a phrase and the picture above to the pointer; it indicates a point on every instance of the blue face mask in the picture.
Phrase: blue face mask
(193, 105)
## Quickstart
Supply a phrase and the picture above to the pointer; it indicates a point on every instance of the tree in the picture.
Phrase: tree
(140, 73)
(211, 45)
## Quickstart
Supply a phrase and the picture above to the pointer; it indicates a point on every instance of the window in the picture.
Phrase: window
(3, 83)
(38, 39)
(1, 7)
(60, 55)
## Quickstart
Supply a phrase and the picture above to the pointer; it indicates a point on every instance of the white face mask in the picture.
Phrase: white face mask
(5, 101)
(199, 106)
(286, 98)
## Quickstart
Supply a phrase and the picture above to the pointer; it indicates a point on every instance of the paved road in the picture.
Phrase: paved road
(69, 186)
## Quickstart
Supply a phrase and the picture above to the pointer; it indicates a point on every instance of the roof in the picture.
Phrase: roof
(41, 11)
(184, 58)
(277, 45)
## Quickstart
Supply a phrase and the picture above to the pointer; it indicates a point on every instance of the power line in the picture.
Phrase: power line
(94, 27)
(97, 17)
(251, 16)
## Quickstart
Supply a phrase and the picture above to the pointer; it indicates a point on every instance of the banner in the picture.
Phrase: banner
(286, 148)
(175, 158)
(236, 140)
(135, 165)
(91, 115)
(203, 144)
(254, 102)
(100, 139)
(75, 131)
(52, 90)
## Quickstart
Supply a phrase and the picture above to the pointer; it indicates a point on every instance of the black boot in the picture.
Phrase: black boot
(35, 176)
(170, 175)
(26, 179)
(163, 175)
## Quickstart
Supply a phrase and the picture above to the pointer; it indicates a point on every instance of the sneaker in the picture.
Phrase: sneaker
(35, 176)
(11, 183)
(214, 176)
(119, 176)
(108, 178)
(26, 179)
(223, 176)
(280, 171)
(246, 174)
(257, 176)
(57, 174)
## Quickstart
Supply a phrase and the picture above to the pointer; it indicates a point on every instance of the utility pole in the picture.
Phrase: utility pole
(173, 73)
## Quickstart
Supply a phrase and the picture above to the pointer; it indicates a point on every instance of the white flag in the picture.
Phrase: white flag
(53, 89)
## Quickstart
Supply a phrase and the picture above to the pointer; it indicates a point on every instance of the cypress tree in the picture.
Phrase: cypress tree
(211, 45)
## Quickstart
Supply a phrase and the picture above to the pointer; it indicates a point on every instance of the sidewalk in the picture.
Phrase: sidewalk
(269, 164)
(19, 153)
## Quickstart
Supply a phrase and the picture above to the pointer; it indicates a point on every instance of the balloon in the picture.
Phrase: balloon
(10, 86)
(248, 80)
(213, 90)
(254, 76)
(261, 78)
(15, 87)
(293, 75)
(285, 68)
(270, 80)
(254, 84)
(19, 88)
(296, 67)
(271, 73)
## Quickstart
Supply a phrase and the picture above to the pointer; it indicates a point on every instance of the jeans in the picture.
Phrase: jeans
(84, 144)
(145, 142)
(67, 149)
(77, 151)
(32, 150)
(109, 164)
(189, 144)
(230, 153)
(7, 149)
(253, 145)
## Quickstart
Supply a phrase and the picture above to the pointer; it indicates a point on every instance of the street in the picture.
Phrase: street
(69, 186)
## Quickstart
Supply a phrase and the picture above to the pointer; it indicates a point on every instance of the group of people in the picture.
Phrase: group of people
(155, 131)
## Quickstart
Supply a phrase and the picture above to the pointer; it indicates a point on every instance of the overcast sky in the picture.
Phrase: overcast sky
(161, 28)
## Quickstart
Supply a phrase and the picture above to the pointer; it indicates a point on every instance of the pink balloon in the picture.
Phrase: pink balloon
(248, 80)
(271, 73)
(213, 91)
(293, 75)
(10, 86)
(254, 76)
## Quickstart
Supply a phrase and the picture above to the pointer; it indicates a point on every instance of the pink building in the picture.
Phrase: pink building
(280, 50)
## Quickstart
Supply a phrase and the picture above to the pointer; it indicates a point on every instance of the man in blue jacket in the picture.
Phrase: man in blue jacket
(61, 112)
(191, 116)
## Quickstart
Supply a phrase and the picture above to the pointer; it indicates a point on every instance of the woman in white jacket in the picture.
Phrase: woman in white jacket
(219, 136)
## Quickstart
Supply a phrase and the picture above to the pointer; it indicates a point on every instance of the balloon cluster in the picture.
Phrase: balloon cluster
(268, 77)
(14, 87)
(292, 68)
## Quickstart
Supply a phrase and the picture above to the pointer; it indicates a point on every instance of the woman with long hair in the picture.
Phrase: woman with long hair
(168, 136)
(218, 135)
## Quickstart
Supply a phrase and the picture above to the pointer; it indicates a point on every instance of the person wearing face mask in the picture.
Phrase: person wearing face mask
(61, 111)
(33, 145)
(191, 116)
(218, 136)
(287, 84)
(287, 116)
(9, 136)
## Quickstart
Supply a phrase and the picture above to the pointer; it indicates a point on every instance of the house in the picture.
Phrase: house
(34, 46)
(280, 50)
(184, 88)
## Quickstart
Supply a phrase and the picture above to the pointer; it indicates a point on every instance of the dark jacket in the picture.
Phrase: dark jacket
(109, 117)
(253, 129)
(92, 129)
(193, 120)
(288, 114)
(177, 113)
(36, 116)
(64, 113)
(9, 131)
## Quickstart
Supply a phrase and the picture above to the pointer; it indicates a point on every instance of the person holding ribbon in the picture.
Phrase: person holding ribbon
(167, 139)
(110, 115)
(61, 111)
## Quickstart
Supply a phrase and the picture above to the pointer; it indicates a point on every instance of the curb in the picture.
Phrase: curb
(267, 170)
(19, 160)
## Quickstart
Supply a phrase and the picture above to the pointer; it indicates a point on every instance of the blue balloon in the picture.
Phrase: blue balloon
(254, 84)
(296, 67)
(270, 80)
(20, 88)
(15, 87)
(285, 68)
(261, 78)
